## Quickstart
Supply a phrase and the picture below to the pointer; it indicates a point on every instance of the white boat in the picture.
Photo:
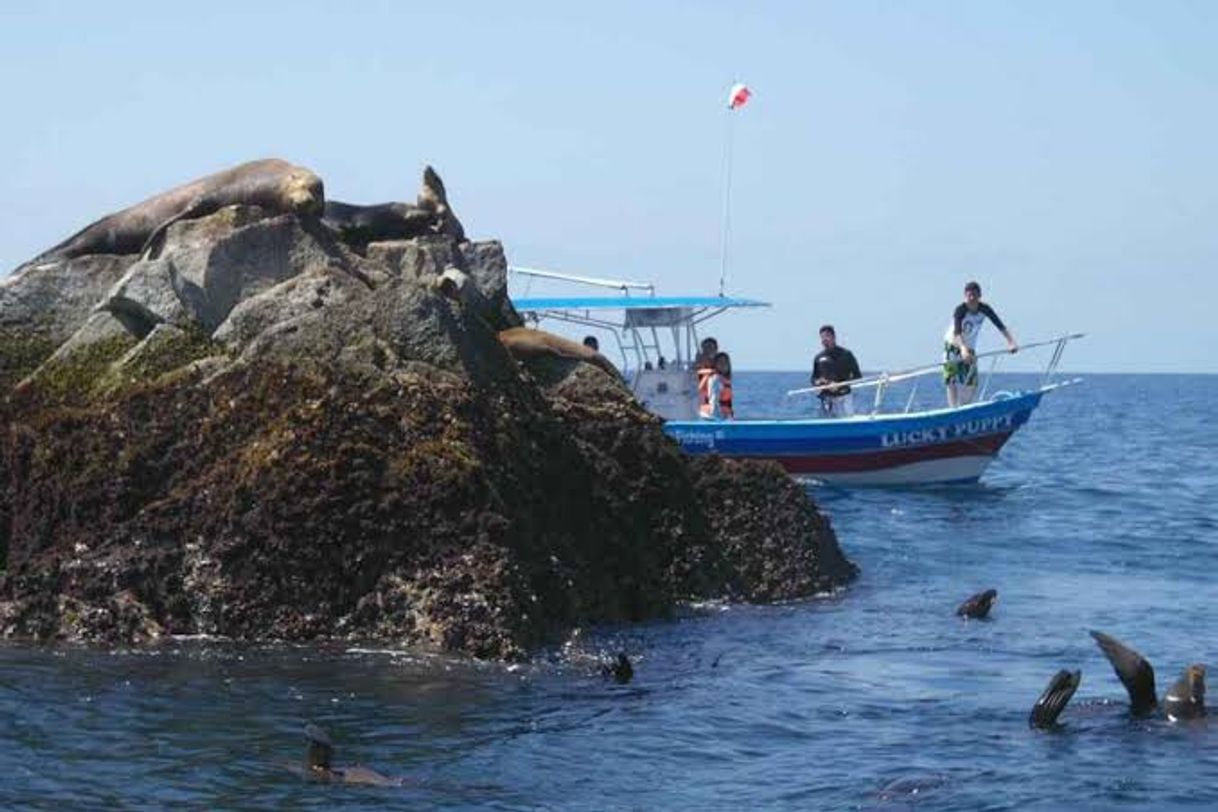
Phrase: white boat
(657, 341)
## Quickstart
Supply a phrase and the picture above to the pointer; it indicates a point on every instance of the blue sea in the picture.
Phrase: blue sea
(1099, 514)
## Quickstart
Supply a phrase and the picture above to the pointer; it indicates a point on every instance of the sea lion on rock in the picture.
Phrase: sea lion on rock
(271, 184)
(526, 342)
(978, 606)
(381, 221)
(361, 225)
(318, 764)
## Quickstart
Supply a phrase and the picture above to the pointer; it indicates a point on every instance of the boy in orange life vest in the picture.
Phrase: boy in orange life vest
(715, 390)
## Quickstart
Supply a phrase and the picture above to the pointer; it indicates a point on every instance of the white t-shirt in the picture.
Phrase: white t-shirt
(970, 322)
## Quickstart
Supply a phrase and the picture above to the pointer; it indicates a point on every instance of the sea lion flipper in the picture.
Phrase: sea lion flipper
(1134, 671)
(1054, 699)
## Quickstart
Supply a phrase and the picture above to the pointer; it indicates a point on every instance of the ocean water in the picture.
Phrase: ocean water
(1099, 514)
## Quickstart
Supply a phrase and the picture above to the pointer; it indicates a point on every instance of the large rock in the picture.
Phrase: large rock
(270, 435)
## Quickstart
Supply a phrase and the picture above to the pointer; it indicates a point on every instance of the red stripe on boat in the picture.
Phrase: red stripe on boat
(893, 457)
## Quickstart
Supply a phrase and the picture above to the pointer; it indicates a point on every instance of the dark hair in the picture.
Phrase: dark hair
(591, 342)
(725, 357)
(709, 340)
(827, 328)
(972, 286)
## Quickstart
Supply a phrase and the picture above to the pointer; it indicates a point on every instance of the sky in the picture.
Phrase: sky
(1062, 154)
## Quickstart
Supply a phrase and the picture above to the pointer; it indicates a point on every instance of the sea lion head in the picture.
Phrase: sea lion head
(1186, 699)
(304, 193)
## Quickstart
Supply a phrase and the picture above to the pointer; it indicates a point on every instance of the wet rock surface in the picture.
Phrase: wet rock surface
(268, 432)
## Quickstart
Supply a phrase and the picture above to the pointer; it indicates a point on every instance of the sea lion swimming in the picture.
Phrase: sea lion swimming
(620, 669)
(271, 184)
(1054, 699)
(978, 606)
(318, 764)
(526, 342)
(1185, 699)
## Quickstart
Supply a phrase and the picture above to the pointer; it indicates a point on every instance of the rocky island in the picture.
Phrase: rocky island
(264, 415)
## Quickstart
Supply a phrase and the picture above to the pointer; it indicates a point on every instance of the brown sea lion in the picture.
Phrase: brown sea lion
(525, 342)
(319, 767)
(271, 184)
(978, 606)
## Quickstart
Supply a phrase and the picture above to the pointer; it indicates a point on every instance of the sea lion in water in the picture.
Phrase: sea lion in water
(397, 221)
(1185, 699)
(319, 767)
(526, 342)
(978, 606)
(620, 669)
(271, 184)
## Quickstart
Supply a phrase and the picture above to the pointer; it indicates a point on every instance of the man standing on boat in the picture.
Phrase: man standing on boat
(832, 365)
(960, 345)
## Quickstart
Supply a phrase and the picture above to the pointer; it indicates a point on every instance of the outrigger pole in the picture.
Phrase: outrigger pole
(736, 98)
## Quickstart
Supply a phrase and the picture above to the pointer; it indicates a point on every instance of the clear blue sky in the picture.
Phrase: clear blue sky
(1061, 153)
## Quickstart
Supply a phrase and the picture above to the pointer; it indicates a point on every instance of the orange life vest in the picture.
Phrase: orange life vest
(725, 394)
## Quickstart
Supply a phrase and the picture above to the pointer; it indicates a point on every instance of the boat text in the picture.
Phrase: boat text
(955, 431)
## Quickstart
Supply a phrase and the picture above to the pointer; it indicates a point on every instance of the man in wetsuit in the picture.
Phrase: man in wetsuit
(960, 345)
(832, 365)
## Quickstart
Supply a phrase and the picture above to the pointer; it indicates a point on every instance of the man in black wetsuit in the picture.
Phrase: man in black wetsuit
(832, 365)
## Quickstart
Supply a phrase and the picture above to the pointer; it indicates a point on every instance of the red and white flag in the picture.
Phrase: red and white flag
(738, 96)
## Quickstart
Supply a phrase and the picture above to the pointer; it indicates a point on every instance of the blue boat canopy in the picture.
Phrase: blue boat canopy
(633, 303)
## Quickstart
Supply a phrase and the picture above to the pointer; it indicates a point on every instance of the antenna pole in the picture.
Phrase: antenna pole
(727, 197)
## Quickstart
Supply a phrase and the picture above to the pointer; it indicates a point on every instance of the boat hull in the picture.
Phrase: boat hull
(931, 447)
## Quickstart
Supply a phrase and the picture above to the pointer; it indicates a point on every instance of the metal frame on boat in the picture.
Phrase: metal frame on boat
(907, 447)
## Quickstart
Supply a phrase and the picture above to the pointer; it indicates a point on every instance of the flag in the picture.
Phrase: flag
(738, 95)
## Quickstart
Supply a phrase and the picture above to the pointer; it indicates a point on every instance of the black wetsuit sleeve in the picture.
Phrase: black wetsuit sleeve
(958, 319)
(993, 317)
(852, 367)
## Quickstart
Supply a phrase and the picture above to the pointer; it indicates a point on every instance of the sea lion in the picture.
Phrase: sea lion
(620, 669)
(318, 764)
(381, 221)
(978, 606)
(1185, 699)
(361, 225)
(526, 342)
(271, 184)
(1054, 699)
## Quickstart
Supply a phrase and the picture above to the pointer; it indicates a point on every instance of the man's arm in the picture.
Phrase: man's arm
(1002, 328)
(854, 371)
(714, 389)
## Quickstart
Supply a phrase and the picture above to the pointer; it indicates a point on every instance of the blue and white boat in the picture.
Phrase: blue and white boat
(657, 341)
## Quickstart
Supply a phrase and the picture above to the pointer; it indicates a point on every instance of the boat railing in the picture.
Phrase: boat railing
(884, 380)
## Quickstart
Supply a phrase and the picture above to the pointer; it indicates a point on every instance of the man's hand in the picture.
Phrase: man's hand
(1012, 346)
